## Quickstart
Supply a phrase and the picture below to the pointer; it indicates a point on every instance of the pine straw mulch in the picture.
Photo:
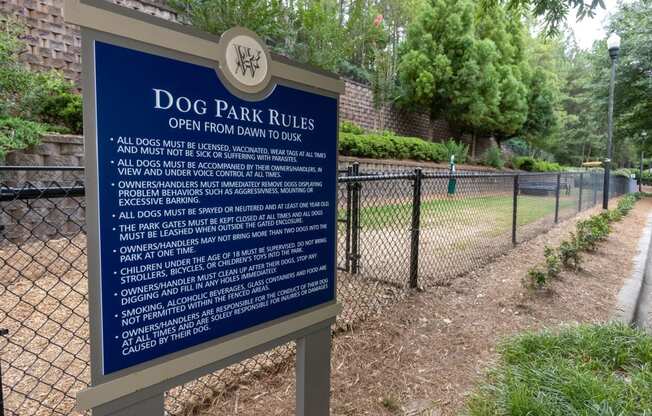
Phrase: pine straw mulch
(424, 355)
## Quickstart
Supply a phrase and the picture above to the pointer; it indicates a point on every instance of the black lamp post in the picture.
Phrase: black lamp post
(613, 43)
(640, 174)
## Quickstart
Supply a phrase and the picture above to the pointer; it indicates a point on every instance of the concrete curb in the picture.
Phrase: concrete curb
(630, 294)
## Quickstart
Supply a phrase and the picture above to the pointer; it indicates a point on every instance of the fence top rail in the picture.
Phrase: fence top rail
(42, 168)
(10, 194)
(361, 177)
(371, 178)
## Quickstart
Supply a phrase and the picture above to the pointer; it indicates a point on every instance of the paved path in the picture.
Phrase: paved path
(644, 313)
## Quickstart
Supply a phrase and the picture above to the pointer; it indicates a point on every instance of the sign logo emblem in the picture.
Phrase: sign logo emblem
(245, 60)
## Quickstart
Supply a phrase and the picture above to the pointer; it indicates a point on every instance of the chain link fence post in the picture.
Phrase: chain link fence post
(416, 219)
(347, 222)
(579, 198)
(3, 332)
(594, 182)
(514, 209)
(355, 222)
(557, 192)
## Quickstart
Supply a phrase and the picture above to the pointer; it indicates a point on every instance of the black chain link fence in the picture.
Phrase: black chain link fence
(396, 229)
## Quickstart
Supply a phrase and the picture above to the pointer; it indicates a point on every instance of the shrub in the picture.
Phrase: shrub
(587, 236)
(614, 215)
(350, 127)
(493, 157)
(388, 145)
(545, 166)
(525, 163)
(552, 262)
(536, 279)
(46, 98)
(626, 173)
(64, 109)
(459, 150)
(569, 253)
(530, 164)
(647, 178)
(627, 203)
(366, 145)
(592, 231)
(16, 133)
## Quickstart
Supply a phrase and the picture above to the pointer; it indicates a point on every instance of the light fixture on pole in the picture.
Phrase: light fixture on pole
(613, 44)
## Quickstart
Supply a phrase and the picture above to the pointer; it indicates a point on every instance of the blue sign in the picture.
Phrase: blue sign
(215, 213)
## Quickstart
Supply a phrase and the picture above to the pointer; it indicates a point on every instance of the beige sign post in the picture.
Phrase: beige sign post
(129, 374)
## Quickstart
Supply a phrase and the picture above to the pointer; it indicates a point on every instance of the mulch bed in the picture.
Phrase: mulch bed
(427, 352)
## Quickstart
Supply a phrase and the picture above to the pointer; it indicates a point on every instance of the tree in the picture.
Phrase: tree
(267, 18)
(634, 78)
(358, 39)
(585, 93)
(505, 30)
(447, 69)
(469, 65)
(553, 12)
(320, 39)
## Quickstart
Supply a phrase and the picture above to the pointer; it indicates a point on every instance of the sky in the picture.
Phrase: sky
(590, 29)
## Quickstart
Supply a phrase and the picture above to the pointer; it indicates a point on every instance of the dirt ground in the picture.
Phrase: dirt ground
(427, 353)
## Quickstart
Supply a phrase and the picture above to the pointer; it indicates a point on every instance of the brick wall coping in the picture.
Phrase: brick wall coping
(419, 164)
(159, 5)
(79, 140)
(62, 138)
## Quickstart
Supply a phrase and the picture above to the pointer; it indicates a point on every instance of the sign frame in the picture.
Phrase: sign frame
(140, 388)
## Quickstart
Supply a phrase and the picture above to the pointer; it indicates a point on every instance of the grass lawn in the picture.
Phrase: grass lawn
(496, 210)
(585, 370)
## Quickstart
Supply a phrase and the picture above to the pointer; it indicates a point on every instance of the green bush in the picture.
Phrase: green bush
(536, 279)
(63, 109)
(569, 253)
(587, 236)
(493, 157)
(552, 262)
(31, 103)
(626, 173)
(530, 164)
(591, 231)
(614, 215)
(17, 133)
(350, 127)
(457, 149)
(545, 166)
(366, 145)
(389, 146)
(647, 178)
(627, 203)
(525, 163)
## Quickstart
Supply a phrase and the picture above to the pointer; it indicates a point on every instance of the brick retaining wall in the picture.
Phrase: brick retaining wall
(356, 105)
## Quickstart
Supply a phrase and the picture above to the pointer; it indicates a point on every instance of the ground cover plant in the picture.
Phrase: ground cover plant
(583, 370)
(588, 234)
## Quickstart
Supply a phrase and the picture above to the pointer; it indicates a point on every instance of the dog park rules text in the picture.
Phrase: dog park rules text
(216, 214)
